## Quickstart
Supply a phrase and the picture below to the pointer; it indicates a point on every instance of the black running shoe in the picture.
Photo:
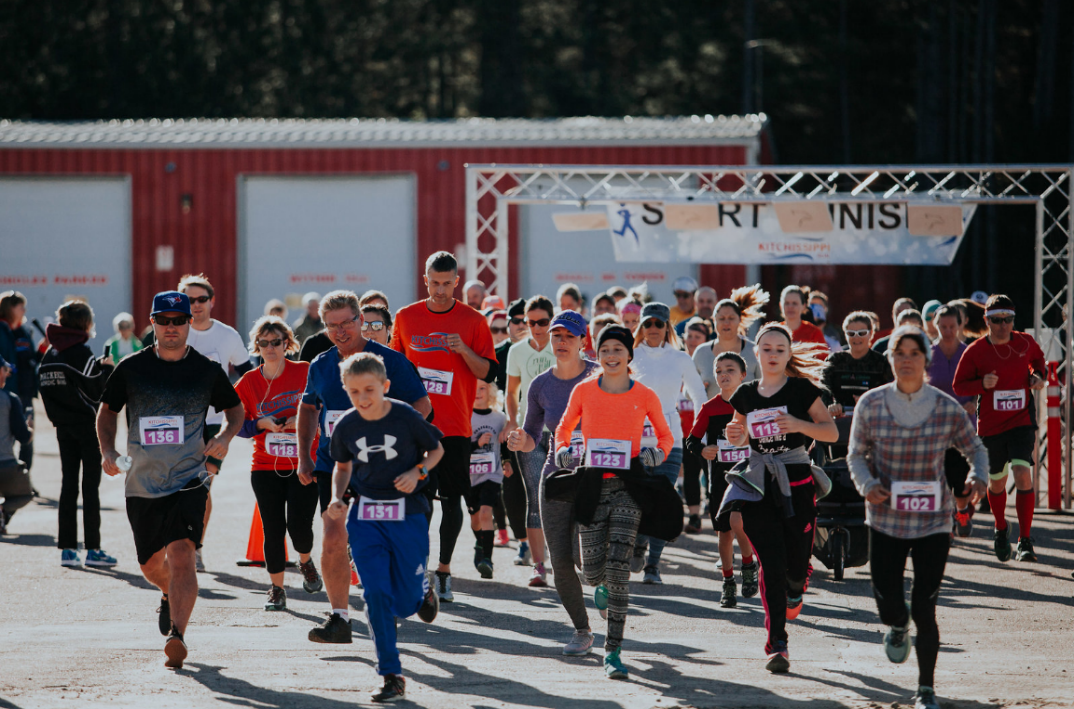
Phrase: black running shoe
(175, 650)
(277, 599)
(334, 630)
(311, 580)
(779, 660)
(730, 589)
(164, 617)
(394, 690)
(1025, 549)
(749, 579)
(479, 555)
(430, 605)
(1001, 542)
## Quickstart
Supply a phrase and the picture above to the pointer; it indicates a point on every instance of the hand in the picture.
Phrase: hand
(515, 439)
(290, 424)
(735, 433)
(836, 410)
(508, 471)
(878, 495)
(563, 457)
(710, 452)
(305, 469)
(336, 509)
(455, 343)
(651, 457)
(217, 447)
(970, 407)
(1035, 382)
(268, 424)
(789, 424)
(108, 462)
(108, 361)
(484, 439)
(504, 433)
(990, 380)
(975, 490)
(408, 481)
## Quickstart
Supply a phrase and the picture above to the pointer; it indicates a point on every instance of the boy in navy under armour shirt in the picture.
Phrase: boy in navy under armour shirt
(383, 449)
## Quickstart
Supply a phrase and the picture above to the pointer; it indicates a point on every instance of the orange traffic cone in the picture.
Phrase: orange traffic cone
(255, 548)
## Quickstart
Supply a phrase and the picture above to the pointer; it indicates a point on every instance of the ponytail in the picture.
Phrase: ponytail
(806, 357)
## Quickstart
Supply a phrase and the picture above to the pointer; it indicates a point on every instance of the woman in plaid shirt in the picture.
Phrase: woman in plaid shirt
(898, 440)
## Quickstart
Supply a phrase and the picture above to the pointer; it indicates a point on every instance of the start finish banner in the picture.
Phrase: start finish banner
(920, 233)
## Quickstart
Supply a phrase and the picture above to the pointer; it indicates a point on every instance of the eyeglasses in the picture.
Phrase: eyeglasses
(265, 344)
(178, 320)
(345, 325)
(543, 322)
(1006, 320)
(857, 333)
(201, 299)
(654, 322)
(518, 321)
(374, 325)
(499, 330)
(683, 294)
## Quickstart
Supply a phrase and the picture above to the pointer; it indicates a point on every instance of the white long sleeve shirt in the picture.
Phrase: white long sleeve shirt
(669, 371)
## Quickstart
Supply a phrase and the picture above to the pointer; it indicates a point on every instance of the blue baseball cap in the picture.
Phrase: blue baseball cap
(571, 321)
(170, 301)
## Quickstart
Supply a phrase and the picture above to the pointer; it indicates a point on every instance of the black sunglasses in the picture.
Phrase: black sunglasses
(499, 330)
(1006, 320)
(178, 320)
(201, 299)
(265, 344)
(374, 325)
(654, 322)
(543, 322)
(517, 321)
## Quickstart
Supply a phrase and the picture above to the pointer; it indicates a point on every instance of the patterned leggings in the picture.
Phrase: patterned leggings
(607, 546)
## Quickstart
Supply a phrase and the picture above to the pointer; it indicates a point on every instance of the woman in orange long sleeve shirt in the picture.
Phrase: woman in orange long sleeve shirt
(612, 409)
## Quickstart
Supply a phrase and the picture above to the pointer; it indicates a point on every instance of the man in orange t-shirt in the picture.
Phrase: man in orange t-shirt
(451, 345)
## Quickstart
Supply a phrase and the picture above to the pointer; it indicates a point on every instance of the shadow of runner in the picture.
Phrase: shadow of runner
(29, 540)
(239, 692)
(893, 694)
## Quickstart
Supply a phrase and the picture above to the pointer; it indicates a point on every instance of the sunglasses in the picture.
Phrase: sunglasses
(1006, 320)
(178, 321)
(499, 330)
(857, 333)
(518, 321)
(201, 299)
(683, 294)
(265, 344)
(543, 322)
(375, 326)
(654, 322)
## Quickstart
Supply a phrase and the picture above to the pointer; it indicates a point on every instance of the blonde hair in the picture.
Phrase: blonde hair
(670, 337)
(196, 279)
(748, 302)
(805, 361)
(273, 323)
(337, 300)
(363, 363)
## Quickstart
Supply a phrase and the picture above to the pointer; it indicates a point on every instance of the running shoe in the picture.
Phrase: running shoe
(897, 644)
(484, 567)
(749, 579)
(637, 561)
(693, 525)
(443, 587)
(523, 558)
(175, 650)
(277, 599)
(613, 665)
(1001, 542)
(730, 589)
(164, 617)
(925, 699)
(794, 607)
(600, 600)
(100, 559)
(69, 557)
(580, 643)
(199, 565)
(652, 576)
(479, 554)
(394, 690)
(1025, 549)
(964, 522)
(430, 605)
(335, 630)
(311, 580)
(538, 579)
(779, 660)
(501, 538)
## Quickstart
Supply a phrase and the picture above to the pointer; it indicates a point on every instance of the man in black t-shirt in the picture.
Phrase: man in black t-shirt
(167, 390)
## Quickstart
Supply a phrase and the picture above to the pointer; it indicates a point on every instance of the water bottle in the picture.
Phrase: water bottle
(124, 462)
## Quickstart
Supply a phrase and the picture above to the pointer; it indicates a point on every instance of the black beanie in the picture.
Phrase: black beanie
(617, 332)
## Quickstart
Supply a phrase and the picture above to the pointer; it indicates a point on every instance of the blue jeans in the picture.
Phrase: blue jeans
(670, 470)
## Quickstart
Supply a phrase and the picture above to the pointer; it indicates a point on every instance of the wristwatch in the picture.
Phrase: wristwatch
(422, 472)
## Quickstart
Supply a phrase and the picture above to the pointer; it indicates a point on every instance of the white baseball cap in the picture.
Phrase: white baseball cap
(684, 284)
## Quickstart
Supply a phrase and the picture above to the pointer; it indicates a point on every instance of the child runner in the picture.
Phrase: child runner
(383, 450)
(486, 473)
(707, 443)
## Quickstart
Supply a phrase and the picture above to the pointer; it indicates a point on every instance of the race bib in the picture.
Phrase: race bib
(330, 418)
(916, 497)
(281, 445)
(762, 423)
(648, 435)
(382, 510)
(482, 463)
(608, 453)
(577, 445)
(729, 453)
(1009, 399)
(161, 430)
(436, 381)
(686, 404)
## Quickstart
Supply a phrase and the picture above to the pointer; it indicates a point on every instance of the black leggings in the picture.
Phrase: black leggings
(79, 453)
(887, 564)
(691, 479)
(514, 498)
(287, 507)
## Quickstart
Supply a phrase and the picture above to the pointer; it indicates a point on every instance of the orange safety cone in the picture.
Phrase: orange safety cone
(255, 548)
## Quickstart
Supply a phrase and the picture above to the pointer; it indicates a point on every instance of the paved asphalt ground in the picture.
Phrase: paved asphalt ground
(82, 638)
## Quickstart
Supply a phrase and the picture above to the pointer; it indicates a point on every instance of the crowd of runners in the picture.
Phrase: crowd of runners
(597, 433)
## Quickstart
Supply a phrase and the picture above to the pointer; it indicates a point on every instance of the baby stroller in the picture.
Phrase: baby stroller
(841, 538)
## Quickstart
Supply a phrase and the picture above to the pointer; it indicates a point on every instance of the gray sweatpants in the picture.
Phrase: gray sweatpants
(561, 536)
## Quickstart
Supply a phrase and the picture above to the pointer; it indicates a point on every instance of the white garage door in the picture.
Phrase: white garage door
(64, 237)
(550, 258)
(301, 234)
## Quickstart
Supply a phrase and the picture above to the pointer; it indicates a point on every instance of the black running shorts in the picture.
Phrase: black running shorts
(483, 494)
(159, 521)
(1015, 444)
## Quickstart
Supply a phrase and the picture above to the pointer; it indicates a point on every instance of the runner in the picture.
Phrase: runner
(525, 361)
(595, 326)
(900, 305)
(168, 390)
(707, 444)
(629, 313)
(547, 398)
(898, 443)
(854, 371)
(72, 382)
(818, 305)
(310, 323)
(928, 312)
(513, 490)
(776, 416)
(734, 317)
(612, 409)
(706, 300)
(124, 341)
(791, 304)
(684, 288)
(946, 354)
(486, 473)
(1004, 369)
(17, 347)
(451, 346)
(323, 402)
(15, 487)
(569, 297)
(660, 365)
(270, 395)
(223, 345)
(603, 304)
(907, 316)
(376, 323)
(383, 449)
(695, 333)
(474, 292)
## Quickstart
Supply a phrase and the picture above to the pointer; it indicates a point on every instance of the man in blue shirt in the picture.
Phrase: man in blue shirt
(323, 403)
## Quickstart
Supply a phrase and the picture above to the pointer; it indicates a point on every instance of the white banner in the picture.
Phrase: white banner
(919, 233)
